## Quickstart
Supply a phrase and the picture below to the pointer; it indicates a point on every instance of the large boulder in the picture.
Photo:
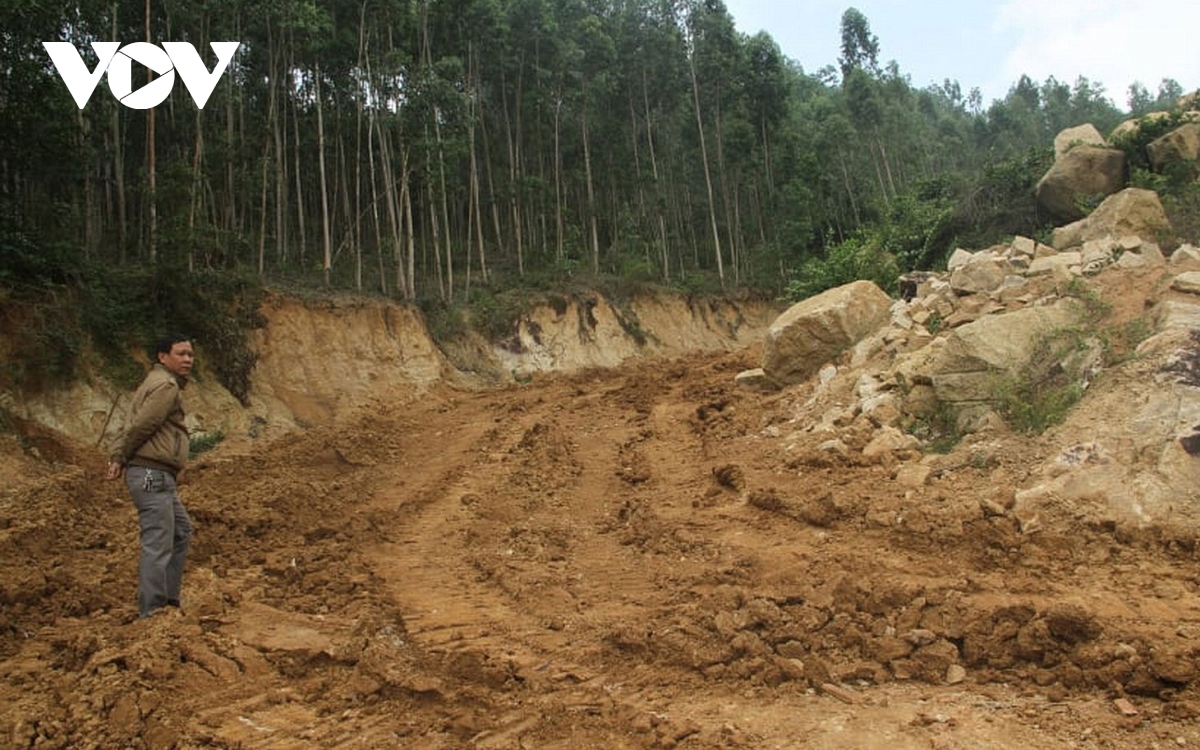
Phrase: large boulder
(1131, 212)
(977, 358)
(1179, 148)
(1082, 135)
(813, 332)
(982, 272)
(1078, 175)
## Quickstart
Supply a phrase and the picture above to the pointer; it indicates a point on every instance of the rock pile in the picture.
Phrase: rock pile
(996, 325)
(954, 347)
(1088, 167)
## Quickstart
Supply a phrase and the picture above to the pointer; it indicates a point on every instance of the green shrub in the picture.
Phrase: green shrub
(203, 442)
(938, 431)
(1052, 383)
(493, 315)
(1033, 407)
(106, 311)
(1182, 205)
(1095, 308)
(1135, 141)
(1001, 201)
(859, 258)
(445, 323)
(697, 283)
(1179, 188)
(918, 227)
(497, 316)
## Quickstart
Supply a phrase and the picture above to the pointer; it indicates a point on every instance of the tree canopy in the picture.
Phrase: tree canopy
(431, 150)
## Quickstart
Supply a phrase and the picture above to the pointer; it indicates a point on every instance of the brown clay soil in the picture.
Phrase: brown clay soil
(621, 558)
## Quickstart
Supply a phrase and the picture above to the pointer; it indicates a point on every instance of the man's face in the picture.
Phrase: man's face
(179, 359)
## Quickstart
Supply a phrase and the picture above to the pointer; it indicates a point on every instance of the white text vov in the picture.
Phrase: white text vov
(117, 62)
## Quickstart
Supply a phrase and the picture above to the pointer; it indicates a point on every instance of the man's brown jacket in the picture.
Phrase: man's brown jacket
(156, 436)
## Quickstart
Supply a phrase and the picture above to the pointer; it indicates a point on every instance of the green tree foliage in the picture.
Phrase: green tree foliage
(446, 151)
(1142, 102)
(860, 48)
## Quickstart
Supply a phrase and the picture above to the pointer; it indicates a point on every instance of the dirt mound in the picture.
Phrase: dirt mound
(643, 556)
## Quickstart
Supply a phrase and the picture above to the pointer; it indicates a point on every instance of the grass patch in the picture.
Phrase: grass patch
(204, 442)
(1095, 308)
(1052, 383)
(938, 431)
(1032, 408)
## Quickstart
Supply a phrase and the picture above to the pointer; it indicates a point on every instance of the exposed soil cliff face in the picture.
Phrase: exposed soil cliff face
(321, 359)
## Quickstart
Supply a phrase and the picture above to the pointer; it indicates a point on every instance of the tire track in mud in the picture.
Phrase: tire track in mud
(535, 542)
(573, 545)
(461, 528)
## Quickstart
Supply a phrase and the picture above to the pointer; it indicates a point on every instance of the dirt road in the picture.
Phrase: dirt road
(627, 558)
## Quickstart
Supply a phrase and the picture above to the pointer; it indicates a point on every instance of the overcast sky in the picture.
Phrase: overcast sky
(989, 43)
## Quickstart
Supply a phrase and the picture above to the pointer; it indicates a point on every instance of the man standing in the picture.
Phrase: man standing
(151, 452)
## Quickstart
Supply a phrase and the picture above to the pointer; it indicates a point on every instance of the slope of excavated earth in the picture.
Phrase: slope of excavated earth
(632, 557)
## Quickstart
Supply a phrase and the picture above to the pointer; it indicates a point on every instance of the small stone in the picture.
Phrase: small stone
(1125, 707)
(913, 475)
(1191, 444)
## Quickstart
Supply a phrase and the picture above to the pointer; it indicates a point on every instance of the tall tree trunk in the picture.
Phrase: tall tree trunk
(444, 204)
(301, 231)
(591, 195)
(487, 163)
(118, 167)
(664, 250)
(849, 186)
(393, 208)
(278, 113)
(395, 211)
(83, 145)
(349, 222)
(712, 207)
(194, 203)
(887, 167)
(559, 188)
(768, 167)
(435, 232)
(262, 211)
(326, 245)
(726, 198)
(476, 209)
(879, 175)
(513, 179)
(230, 219)
(151, 167)
(301, 223)
(410, 290)
(643, 205)
(371, 152)
(358, 98)
(273, 141)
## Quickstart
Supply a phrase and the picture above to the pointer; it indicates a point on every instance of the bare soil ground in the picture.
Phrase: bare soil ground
(626, 558)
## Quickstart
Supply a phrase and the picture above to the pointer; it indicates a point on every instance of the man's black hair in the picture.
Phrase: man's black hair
(166, 343)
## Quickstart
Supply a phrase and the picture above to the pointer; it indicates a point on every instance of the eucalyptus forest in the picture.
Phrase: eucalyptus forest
(442, 152)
